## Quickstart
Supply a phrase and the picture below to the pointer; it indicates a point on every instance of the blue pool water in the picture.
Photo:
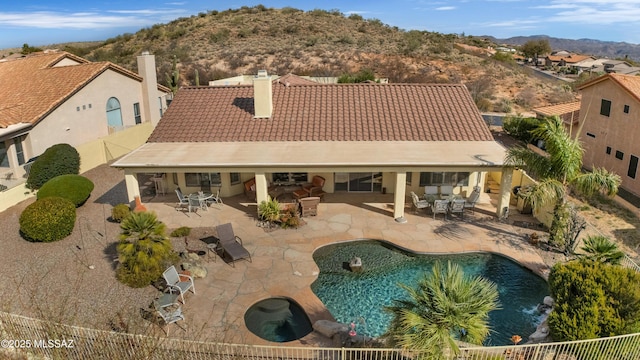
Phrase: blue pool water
(360, 297)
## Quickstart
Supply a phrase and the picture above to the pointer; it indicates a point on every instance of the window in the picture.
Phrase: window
(608, 150)
(235, 178)
(626, 109)
(444, 178)
(136, 113)
(591, 135)
(605, 107)
(4, 158)
(196, 179)
(17, 142)
(409, 174)
(619, 155)
(290, 177)
(633, 166)
(114, 115)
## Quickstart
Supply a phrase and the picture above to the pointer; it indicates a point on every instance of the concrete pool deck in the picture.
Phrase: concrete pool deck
(282, 263)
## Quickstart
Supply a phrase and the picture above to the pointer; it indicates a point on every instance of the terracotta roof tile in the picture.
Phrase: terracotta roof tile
(631, 83)
(335, 112)
(33, 86)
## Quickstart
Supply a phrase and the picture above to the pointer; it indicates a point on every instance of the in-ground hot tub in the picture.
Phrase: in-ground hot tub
(277, 319)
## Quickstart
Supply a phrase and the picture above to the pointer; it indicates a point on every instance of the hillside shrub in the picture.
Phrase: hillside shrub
(59, 159)
(181, 231)
(48, 219)
(593, 300)
(76, 188)
(120, 212)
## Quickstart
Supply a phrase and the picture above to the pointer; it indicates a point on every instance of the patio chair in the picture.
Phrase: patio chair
(183, 202)
(440, 207)
(457, 207)
(315, 186)
(230, 244)
(309, 206)
(179, 282)
(194, 203)
(170, 314)
(205, 186)
(446, 190)
(419, 204)
(472, 199)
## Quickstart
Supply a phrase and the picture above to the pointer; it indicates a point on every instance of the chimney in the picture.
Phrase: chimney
(150, 95)
(262, 95)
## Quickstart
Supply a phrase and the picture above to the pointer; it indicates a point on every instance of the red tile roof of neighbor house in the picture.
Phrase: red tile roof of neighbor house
(571, 59)
(33, 86)
(338, 112)
(631, 83)
(568, 112)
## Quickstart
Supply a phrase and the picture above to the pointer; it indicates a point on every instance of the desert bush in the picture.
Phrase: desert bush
(75, 188)
(59, 159)
(593, 299)
(181, 231)
(120, 212)
(144, 251)
(520, 127)
(48, 219)
(269, 210)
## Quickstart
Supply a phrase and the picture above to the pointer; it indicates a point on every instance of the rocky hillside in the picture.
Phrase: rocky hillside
(215, 45)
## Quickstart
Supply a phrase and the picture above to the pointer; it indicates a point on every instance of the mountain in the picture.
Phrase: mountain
(608, 49)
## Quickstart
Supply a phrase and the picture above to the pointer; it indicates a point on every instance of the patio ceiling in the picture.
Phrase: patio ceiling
(381, 155)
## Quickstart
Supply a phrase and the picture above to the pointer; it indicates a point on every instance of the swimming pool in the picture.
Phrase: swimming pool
(360, 297)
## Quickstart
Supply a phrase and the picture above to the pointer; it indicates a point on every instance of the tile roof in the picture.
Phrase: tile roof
(338, 112)
(568, 112)
(292, 79)
(33, 86)
(571, 59)
(631, 83)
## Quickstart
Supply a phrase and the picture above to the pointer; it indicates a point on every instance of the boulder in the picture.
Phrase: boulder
(548, 301)
(329, 328)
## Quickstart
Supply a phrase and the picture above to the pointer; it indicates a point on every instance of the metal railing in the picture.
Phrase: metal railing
(57, 341)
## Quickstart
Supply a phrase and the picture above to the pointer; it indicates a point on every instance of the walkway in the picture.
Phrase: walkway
(282, 259)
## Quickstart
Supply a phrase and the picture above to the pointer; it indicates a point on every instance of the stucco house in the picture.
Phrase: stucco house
(56, 97)
(609, 110)
(361, 138)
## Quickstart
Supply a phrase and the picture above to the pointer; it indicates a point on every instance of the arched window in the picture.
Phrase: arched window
(114, 115)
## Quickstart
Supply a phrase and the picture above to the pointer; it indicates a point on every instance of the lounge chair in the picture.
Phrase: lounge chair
(309, 206)
(457, 207)
(419, 204)
(231, 244)
(440, 207)
(472, 199)
(178, 282)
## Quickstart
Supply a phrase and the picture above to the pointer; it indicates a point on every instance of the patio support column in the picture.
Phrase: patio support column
(399, 197)
(505, 193)
(133, 187)
(261, 187)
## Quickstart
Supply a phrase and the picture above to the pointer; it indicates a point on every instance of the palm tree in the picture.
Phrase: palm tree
(600, 248)
(558, 171)
(144, 251)
(444, 307)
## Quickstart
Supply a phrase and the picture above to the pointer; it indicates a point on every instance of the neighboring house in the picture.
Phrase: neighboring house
(610, 110)
(290, 79)
(568, 60)
(362, 138)
(568, 112)
(56, 97)
(620, 67)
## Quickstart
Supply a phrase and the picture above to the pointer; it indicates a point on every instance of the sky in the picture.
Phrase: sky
(44, 22)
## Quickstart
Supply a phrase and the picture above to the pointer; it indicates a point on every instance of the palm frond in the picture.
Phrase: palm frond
(545, 192)
(600, 179)
(534, 163)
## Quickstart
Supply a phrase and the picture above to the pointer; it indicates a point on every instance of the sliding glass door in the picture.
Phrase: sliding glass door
(358, 182)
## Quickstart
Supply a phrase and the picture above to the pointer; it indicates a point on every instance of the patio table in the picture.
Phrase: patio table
(202, 198)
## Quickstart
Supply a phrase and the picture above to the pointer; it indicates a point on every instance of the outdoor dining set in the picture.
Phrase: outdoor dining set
(441, 200)
(200, 200)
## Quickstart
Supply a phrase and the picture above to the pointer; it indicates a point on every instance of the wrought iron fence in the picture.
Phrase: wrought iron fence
(57, 341)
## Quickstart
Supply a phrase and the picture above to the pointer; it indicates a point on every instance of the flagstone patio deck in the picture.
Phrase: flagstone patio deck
(282, 263)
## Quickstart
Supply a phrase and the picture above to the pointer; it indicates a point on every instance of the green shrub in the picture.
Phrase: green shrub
(76, 188)
(120, 212)
(181, 231)
(593, 300)
(59, 159)
(48, 219)
(144, 251)
(520, 127)
(269, 210)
